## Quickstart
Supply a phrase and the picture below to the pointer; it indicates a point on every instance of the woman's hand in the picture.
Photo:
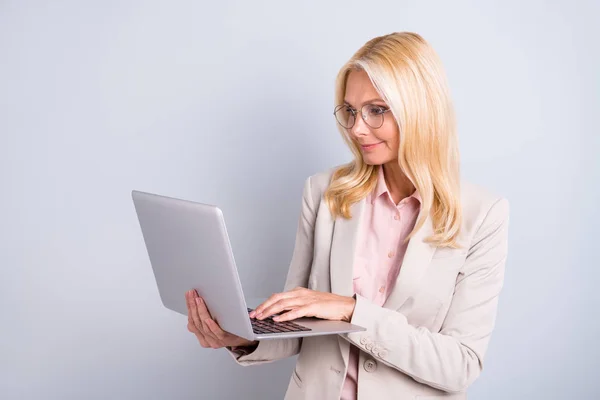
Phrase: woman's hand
(208, 332)
(302, 302)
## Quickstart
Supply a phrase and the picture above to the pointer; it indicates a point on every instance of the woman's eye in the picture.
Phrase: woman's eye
(377, 110)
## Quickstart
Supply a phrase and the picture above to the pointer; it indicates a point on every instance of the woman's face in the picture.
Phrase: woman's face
(378, 145)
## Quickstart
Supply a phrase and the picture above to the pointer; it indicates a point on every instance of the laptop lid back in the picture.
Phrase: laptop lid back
(189, 248)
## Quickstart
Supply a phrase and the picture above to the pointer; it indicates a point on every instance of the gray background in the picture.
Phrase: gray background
(230, 103)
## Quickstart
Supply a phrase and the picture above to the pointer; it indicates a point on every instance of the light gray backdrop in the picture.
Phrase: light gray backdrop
(230, 102)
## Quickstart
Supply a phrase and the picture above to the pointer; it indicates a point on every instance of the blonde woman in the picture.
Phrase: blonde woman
(394, 241)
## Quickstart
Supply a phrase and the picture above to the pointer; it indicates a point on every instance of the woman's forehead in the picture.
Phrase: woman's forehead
(360, 90)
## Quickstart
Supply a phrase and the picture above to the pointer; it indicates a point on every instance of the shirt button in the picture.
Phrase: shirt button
(381, 289)
(396, 217)
(390, 254)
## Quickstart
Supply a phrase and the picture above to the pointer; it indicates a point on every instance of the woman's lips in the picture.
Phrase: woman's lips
(368, 147)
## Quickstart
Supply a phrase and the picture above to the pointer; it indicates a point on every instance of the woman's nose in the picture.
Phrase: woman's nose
(360, 127)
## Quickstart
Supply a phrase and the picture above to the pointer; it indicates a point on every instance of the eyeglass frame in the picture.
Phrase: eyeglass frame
(362, 114)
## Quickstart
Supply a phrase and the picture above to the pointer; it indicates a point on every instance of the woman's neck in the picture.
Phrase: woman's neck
(397, 183)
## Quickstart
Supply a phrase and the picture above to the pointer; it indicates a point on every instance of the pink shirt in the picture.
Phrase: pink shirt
(379, 255)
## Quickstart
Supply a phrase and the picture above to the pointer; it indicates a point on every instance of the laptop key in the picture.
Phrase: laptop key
(267, 325)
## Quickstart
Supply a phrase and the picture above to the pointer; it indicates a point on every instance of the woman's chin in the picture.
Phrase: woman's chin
(371, 159)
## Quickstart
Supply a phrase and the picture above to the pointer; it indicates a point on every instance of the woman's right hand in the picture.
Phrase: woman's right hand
(208, 332)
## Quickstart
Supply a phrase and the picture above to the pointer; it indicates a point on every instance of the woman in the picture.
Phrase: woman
(394, 242)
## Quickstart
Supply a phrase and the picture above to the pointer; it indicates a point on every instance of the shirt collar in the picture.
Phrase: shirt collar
(381, 188)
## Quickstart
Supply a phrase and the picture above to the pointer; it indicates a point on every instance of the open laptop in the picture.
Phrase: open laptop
(189, 248)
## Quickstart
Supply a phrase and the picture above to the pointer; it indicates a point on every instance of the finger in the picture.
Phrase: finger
(194, 311)
(216, 330)
(225, 338)
(200, 337)
(274, 299)
(192, 328)
(203, 342)
(188, 300)
(213, 343)
(282, 305)
(187, 304)
(206, 340)
(295, 313)
(203, 314)
(190, 325)
(202, 308)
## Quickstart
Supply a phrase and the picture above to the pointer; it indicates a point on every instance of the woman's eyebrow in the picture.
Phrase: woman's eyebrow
(366, 102)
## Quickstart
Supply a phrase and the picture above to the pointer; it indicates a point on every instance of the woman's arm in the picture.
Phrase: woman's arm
(453, 358)
(298, 274)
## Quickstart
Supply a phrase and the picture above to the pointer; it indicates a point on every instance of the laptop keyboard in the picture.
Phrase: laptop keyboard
(267, 325)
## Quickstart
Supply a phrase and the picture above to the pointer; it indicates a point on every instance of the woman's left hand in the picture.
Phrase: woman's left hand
(302, 302)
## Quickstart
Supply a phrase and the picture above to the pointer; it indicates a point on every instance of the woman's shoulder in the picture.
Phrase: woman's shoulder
(319, 182)
(316, 185)
(479, 202)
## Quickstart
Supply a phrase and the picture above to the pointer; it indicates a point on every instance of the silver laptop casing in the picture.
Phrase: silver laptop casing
(189, 248)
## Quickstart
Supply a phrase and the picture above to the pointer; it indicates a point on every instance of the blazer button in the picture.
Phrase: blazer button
(370, 365)
(369, 346)
(363, 340)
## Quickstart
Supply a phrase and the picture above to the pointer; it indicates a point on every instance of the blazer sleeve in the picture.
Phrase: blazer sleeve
(453, 358)
(298, 275)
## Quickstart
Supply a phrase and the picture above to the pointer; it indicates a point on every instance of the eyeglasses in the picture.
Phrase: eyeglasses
(372, 114)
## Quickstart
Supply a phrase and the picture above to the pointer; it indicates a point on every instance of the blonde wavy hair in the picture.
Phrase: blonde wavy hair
(408, 74)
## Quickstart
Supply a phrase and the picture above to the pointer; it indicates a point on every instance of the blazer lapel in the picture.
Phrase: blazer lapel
(343, 245)
(341, 261)
(416, 259)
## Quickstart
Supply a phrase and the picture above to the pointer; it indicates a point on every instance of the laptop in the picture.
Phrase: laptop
(189, 248)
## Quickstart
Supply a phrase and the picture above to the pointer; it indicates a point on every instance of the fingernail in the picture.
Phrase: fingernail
(198, 300)
(252, 314)
(259, 316)
(275, 318)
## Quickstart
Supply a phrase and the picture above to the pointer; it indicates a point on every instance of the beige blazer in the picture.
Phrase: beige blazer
(429, 339)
